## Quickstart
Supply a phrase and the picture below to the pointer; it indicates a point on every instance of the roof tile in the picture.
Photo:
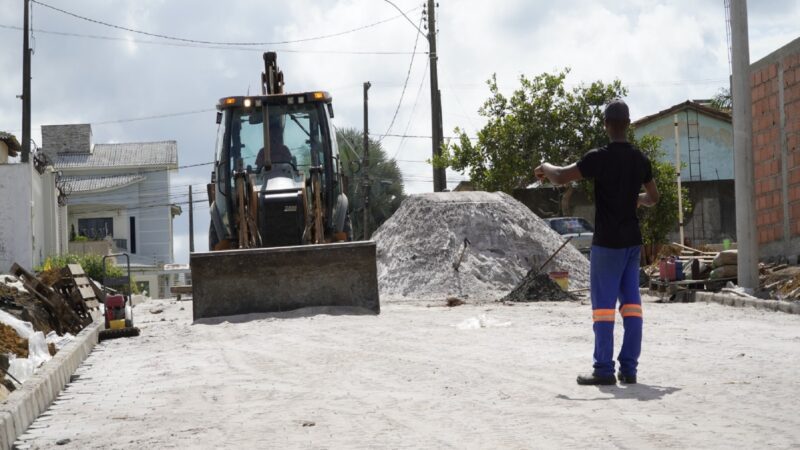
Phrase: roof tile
(83, 184)
(137, 154)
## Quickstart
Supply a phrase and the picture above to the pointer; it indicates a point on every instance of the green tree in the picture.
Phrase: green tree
(386, 181)
(722, 100)
(541, 121)
(657, 222)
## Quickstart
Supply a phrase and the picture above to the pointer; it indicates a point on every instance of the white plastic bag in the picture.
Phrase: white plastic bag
(59, 341)
(38, 353)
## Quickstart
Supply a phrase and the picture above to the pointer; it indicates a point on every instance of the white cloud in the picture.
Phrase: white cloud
(666, 52)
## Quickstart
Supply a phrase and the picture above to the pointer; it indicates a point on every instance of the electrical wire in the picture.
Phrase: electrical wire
(405, 85)
(416, 136)
(158, 116)
(413, 108)
(204, 200)
(199, 41)
(205, 46)
(404, 14)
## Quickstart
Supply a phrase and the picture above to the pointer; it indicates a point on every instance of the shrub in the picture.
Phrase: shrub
(92, 265)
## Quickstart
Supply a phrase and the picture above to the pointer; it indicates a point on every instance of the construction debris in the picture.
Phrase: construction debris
(18, 302)
(38, 314)
(780, 282)
(538, 287)
(11, 342)
(704, 269)
(455, 301)
(421, 244)
(63, 318)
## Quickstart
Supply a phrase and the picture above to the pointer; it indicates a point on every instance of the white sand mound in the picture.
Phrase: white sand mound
(419, 244)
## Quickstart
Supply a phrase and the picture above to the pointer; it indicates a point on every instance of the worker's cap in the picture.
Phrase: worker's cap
(617, 110)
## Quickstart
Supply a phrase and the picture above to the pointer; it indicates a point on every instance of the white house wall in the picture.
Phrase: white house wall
(38, 218)
(148, 201)
(51, 217)
(23, 217)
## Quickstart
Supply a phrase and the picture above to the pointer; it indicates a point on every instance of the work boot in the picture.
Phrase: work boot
(626, 379)
(594, 380)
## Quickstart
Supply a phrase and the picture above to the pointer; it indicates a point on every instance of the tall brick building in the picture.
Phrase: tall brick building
(775, 82)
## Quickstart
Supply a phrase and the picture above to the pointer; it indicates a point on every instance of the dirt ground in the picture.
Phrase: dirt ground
(416, 377)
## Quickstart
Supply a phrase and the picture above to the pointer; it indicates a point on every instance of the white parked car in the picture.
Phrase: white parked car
(578, 228)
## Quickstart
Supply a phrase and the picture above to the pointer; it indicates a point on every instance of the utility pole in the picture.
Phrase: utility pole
(191, 222)
(26, 85)
(678, 171)
(439, 175)
(743, 148)
(365, 165)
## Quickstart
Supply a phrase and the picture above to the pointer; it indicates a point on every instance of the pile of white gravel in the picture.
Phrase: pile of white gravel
(418, 246)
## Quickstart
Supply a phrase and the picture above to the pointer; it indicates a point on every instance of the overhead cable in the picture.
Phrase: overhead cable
(200, 41)
(405, 85)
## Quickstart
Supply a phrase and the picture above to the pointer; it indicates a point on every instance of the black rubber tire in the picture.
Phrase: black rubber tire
(118, 333)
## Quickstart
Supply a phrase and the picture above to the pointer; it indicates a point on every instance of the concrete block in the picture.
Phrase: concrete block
(6, 428)
(24, 405)
(772, 305)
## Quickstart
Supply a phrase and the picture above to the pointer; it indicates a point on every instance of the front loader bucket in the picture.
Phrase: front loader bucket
(231, 282)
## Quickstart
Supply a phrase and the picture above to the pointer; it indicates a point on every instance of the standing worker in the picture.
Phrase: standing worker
(619, 170)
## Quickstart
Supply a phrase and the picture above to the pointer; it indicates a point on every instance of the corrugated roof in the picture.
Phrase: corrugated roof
(83, 184)
(721, 115)
(136, 154)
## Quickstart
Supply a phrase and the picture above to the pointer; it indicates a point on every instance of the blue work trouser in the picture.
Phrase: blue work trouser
(615, 275)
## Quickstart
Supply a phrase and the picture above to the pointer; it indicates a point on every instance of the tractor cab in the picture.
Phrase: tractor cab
(281, 142)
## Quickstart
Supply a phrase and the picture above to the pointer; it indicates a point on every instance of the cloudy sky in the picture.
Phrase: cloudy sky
(665, 52)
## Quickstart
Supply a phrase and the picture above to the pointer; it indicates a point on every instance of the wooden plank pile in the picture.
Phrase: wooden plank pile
(64, 304)
(780, 281)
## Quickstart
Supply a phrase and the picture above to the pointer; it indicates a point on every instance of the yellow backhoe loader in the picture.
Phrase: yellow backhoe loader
(280, 236)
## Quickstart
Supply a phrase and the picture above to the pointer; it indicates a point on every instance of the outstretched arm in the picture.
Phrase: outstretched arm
(558, 175)
(650, 195)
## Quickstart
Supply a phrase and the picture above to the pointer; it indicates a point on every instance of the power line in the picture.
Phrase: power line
(413, 108)
(406, 16)
(414, 136)
(142, 172)
(405, 85)
(172, 193)
(103, 209)
(199, 41)
(203, 202)
(205, 46)
(159, 116)
(634, 84)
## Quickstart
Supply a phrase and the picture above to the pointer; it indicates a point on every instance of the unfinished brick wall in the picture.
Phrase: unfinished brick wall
(775, 82)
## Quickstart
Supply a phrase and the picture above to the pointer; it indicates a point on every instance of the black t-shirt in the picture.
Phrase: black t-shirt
(619, 170)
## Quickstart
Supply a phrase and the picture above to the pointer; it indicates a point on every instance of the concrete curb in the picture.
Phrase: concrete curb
(733, 300)
(738, 301)
(25, 404)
